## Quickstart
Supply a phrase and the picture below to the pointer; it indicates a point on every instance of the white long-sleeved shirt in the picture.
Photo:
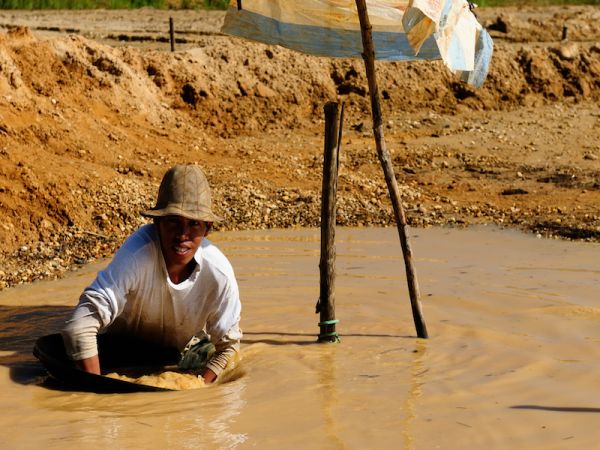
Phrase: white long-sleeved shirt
(135, 296)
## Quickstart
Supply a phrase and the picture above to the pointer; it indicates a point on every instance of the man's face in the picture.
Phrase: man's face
(180, 238)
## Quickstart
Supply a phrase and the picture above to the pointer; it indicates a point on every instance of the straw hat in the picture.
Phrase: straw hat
(184, 191)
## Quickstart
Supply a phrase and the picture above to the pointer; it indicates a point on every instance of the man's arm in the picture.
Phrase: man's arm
(91, 365)
(99, 304)
(80, 338)
(226, 354)
(209, 376)
(224, 323)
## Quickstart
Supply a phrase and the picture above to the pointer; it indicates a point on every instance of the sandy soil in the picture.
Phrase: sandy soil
(94, 108)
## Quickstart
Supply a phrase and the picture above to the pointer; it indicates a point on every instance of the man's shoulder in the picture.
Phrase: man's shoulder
(137, 255)
(214, 259)
(140, 241)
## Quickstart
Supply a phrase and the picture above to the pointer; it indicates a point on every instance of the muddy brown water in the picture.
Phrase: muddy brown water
(512, 362)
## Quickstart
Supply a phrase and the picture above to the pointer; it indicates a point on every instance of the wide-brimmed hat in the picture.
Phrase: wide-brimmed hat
(184, 191)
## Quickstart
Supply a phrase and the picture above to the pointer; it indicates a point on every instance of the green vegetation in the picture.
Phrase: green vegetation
(76, 4)
(535, 2)
(219, 4)
(113, 4)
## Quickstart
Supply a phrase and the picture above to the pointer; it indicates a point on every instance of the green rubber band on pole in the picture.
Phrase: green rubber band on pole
(322, 336)
(328, 322)
(331, 333)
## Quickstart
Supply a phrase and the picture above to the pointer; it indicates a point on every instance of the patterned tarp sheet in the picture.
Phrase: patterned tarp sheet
(403, 30)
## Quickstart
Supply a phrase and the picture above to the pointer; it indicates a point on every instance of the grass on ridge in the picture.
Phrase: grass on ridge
(222, 4)
(113, 4)
(484, 3)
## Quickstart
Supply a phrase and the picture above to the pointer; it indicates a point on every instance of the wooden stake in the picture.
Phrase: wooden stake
(172, 34)
(388, 169)
(326, 303)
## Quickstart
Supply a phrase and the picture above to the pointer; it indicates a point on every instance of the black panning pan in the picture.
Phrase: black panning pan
(115, 352)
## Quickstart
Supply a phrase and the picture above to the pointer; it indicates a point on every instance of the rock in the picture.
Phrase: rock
(264, 91)
(568, 51)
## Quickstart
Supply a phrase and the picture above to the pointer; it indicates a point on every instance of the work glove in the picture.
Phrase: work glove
(196, 353)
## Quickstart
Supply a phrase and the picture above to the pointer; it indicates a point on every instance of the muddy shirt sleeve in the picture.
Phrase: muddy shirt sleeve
(223, 324)
(80, 331)
(227, 351)
(99, 305)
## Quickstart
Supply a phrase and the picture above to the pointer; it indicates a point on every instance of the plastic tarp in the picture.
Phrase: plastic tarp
(403, 30)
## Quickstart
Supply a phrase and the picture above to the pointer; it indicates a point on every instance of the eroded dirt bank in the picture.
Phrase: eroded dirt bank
(89, 124)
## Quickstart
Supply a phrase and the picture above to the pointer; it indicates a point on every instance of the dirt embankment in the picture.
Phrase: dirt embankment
(87, 129)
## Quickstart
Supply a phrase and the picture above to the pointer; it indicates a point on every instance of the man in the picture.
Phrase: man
(166, 284)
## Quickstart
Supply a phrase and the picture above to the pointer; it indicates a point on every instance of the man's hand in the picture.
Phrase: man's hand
(91, 364)
(196, 353)
(209, 376)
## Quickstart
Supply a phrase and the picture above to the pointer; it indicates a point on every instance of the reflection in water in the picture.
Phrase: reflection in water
(185, 419)
(417, 372)
(327, 383)
(220, 426)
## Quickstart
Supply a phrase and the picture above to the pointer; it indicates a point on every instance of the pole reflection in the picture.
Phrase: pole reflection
(414, 392)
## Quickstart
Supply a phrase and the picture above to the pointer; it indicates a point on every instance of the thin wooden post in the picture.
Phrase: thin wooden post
(388, 168)
(326, 303)
(172, 34)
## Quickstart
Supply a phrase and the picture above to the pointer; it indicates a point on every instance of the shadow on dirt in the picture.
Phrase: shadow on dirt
(568, 232)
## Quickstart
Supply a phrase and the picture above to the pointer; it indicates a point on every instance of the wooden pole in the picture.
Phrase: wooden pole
(326, 303)
(172, 34)
(388, 169)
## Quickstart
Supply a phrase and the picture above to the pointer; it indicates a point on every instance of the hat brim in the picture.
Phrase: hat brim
(205, 216)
